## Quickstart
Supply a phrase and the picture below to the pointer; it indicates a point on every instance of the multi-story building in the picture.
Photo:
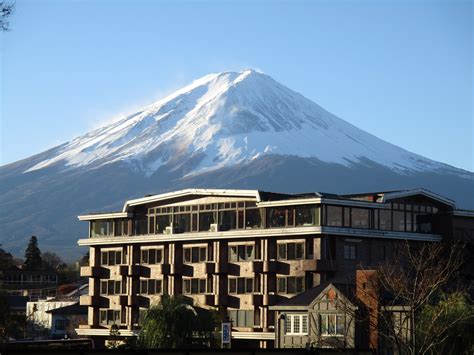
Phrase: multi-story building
(243, 251)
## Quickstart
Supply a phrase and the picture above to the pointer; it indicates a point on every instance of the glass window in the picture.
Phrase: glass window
(334, 216)
(282, 251)
(347, 216)
(118, 227)
(241, 253)
(332, 324)
(233, 253)
(253, 218)
(144, 257)
(101, 228)
(399, 221)
(296, 324)
(281, 287)
(385, 220)
(205, 221)
(227, 220)
(187, 255)
(291, 251)
(194, 286)
(182, 223)
(141, 225)
(249, 254)
(350, 252)
(359, 218)
(305, 215)
(276, 217)
(290, 284)
(232, 285)
(195, 254)
(162, 221)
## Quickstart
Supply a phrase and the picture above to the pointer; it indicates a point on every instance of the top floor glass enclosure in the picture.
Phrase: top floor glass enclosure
(242, 215)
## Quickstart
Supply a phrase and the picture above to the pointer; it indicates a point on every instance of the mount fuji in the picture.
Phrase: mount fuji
(232, 129)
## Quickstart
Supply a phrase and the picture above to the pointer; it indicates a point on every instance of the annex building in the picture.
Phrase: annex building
(253, 255)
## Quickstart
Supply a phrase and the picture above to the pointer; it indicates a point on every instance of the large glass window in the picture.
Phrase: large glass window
(241, 253)
(307, 216)
(253, 219)
(102, 228)
(399, 221)
(109, 316)
(359, 218)
(195, 286)
(227, 220)
(290, 251)
(276, 217)
(111, 257)
(205, 221)
(182, 223)
(290, 284)
(385, 220)
(241, 285)
(112, 287)
(151, 287)
(152, 256)
(195, 254)
(162, 221)
(141, 224)
(334, 216)
(332, 324)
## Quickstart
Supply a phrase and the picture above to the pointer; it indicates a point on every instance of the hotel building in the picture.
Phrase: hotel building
(243, 252)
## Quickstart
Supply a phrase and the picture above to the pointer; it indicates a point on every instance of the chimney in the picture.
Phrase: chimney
(366, 292)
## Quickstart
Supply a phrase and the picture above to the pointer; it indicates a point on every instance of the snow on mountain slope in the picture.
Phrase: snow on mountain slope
(225, 119)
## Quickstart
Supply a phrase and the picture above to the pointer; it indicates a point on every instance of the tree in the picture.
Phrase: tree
(6, 259)
(414, 292)
(451, 317)
(6, 9)
(33, 259)
(51, 260)
(171, 324)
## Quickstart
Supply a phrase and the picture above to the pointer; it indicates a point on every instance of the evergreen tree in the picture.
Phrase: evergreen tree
(33, 255)
(6, 259)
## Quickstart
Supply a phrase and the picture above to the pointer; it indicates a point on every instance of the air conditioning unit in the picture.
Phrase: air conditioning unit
(169, 230)
(214, 228)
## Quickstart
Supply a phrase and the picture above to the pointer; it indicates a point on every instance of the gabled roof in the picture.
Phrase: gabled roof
(191, 192)
(386, 196)
(420, 191)
(309, 297)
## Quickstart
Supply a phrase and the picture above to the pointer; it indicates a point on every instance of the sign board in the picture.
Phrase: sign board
(226, 334)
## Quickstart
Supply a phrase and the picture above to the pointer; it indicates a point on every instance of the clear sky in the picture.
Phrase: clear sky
(402, 70)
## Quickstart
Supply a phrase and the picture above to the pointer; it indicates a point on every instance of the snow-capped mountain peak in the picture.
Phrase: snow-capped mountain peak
(224, 119)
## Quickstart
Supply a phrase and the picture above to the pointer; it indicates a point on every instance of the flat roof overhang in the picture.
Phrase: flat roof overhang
(111, 215)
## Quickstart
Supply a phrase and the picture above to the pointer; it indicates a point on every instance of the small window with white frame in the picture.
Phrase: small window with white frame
(296, 324)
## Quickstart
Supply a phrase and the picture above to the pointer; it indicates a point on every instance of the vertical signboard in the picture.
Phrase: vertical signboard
(226, 334)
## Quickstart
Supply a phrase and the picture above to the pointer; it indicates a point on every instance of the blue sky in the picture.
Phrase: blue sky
(401, 70)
